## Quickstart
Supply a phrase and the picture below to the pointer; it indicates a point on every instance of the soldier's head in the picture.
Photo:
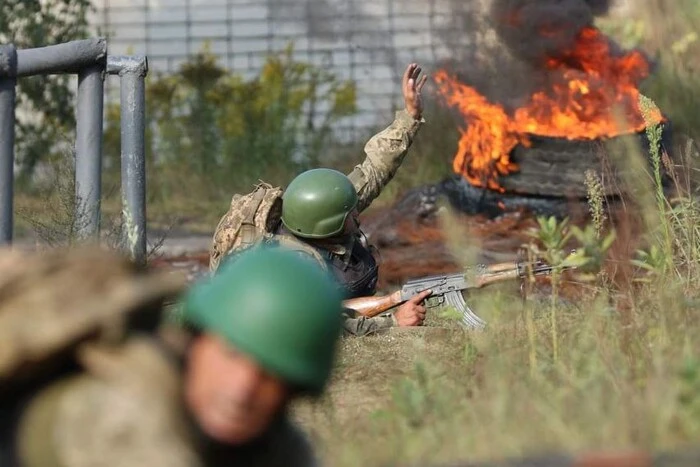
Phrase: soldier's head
(320, 204)
(268, 328)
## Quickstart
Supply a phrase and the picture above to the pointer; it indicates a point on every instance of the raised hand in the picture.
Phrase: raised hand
(412, 85)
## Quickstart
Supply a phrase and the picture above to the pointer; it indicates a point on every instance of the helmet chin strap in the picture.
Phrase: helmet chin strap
(364, 241)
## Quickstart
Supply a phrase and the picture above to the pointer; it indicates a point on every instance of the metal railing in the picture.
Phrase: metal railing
(87, 59)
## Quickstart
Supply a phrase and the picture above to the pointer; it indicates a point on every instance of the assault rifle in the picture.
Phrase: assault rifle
(447, 289)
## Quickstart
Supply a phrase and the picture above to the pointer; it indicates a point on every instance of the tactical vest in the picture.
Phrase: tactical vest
(8, 421)
(357, 271)
(284, 444)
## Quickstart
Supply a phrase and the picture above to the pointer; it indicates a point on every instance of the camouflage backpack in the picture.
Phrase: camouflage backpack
(54, 302)
(250, 219)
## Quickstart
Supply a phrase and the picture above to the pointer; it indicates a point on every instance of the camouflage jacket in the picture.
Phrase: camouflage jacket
(385, 152)
(126, 409)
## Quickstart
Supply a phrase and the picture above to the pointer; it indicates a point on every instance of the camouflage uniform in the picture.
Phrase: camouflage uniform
(115, 403)
(132, 415)
(122, 412)
(385, 152)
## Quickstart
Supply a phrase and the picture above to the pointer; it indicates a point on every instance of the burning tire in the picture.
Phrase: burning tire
(556, 167)
(469, 199)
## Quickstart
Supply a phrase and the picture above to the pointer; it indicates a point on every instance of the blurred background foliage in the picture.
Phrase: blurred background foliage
(213, 132)
(47, 124)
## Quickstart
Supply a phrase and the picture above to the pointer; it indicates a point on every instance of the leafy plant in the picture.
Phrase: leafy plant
(554, 236)
(589, 257)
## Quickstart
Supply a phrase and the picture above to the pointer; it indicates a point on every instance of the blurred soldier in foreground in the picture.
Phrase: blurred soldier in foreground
(87, 379)
(319, 215)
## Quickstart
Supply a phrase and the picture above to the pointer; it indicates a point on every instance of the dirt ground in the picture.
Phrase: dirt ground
(408, 247)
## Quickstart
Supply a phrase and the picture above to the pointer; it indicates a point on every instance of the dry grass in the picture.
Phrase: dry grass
(442, 394)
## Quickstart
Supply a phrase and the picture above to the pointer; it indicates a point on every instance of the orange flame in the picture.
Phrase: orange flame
(594, 95)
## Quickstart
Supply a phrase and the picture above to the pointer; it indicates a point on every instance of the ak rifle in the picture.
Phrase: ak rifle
(447, 289)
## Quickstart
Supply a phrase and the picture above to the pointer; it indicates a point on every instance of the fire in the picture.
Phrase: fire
(593, 95)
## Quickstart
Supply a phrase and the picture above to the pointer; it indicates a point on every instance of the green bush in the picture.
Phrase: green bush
(218, 132)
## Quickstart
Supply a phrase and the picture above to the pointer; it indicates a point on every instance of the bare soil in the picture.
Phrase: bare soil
(408, 247)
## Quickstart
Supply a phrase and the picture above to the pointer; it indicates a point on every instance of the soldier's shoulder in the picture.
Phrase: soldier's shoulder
(110, 420)
(299, 246)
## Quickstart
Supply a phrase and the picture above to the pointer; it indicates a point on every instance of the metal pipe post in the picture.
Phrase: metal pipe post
(88, 151)
(132, 73)
(69, 57)
(8, 80)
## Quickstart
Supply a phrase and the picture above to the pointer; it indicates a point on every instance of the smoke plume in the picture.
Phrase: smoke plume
(336, 20)
(535, 30)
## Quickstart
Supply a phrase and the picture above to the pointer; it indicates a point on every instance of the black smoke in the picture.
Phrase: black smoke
(509, 69)
(336, 20)
(535, 30)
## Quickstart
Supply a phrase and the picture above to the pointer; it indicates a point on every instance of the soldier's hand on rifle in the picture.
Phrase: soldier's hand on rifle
(412, 313)
(412, 85)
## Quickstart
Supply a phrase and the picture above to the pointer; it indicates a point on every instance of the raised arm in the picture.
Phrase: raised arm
(386, 150)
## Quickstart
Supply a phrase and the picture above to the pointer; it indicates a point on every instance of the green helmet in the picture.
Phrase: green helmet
(276, 306)
(317, 202)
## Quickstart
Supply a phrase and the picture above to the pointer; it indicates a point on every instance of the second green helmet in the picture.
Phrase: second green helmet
(278, 307)
(317, 202)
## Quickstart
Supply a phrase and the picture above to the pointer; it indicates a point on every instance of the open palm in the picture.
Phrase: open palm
(412, 85)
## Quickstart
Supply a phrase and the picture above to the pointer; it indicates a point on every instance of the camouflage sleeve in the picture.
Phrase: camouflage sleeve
(385, 153)
(362, 326)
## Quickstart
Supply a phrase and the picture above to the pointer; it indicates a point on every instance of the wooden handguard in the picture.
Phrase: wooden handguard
(500, 276)
(372, 306)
